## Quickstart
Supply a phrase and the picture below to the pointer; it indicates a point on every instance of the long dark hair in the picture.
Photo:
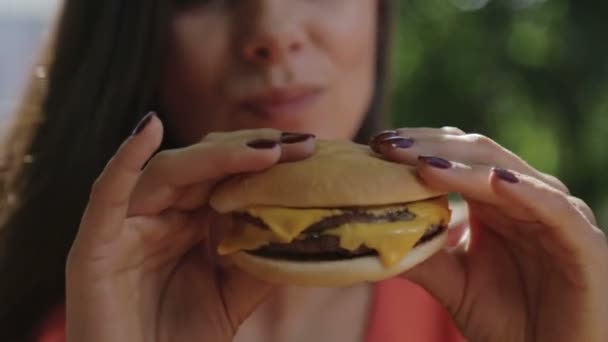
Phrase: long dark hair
(103, 64)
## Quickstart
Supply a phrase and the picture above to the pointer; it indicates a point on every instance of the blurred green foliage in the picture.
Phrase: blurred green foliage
(531, 74)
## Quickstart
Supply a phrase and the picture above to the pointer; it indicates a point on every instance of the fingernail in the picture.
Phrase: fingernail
(437, 162)
(263, 144)
(143, 123)
(384, 134)
(397, 142)
(294, 138)
(505, 175)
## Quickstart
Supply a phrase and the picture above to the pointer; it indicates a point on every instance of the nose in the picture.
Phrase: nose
(273, 35)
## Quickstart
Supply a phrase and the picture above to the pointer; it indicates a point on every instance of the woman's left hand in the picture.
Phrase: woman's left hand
(535, 266)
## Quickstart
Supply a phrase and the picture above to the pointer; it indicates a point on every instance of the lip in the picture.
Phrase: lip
(281, 102)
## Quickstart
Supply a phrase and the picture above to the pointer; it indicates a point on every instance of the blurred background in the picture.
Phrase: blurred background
(23, 27)
(532, 74)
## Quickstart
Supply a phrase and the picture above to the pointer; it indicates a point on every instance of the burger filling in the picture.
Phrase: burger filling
(320, 247)
(390, 231)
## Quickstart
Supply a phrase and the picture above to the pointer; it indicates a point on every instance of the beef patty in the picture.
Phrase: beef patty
(312, 245)
(327, 247)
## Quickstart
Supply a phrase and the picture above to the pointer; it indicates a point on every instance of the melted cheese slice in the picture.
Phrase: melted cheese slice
(392, 240)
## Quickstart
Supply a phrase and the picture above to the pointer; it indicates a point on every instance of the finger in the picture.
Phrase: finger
(417, 132)
(572, 231)
(165, 236)
(502, 220)
(243, 292)
(169, 173)
(421, 132)
(433, 274)
(194, 196)
(471, 181)
(560, 220)
(110, 193)
(294, 146)
(468, 149)
(584, 208)
(473, 184)
(449, 273)
(187, 175)
(412, 133)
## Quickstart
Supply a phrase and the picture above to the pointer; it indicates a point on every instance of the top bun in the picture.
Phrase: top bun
(338, 174)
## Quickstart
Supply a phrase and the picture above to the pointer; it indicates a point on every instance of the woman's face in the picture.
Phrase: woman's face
(294, 65)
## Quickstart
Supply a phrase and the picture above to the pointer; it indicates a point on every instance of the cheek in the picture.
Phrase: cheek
(192, 77)
(350, 35)
(350, 42)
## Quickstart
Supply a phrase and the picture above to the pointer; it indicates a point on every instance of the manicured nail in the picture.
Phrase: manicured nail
(505, 175)
(263, 144)
(397, 142)
(383, 135)
(143, 123)
(437, 162)
(294, 138)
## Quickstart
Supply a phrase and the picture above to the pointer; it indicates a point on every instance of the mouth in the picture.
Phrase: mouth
(281, 102)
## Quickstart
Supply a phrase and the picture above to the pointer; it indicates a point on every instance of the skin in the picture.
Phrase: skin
(257, 46)
(142, 269)
(534, 268)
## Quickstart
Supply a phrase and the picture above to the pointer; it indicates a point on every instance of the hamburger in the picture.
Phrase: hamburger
(342, 216)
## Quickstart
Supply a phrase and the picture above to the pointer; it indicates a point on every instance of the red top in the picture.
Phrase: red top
(402, 311)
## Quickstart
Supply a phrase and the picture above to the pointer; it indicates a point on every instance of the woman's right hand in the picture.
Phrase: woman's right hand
(141, 267)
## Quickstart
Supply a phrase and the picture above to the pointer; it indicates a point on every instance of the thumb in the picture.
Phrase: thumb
(243, 294)
(442, 276)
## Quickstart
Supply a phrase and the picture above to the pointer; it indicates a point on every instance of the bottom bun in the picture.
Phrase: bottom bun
(334, 273)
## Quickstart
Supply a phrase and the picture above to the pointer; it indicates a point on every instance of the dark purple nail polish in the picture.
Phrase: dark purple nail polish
(383, 135)
(263, 144)
(505, 175)
(397, 142)
(286, 134)
(143, 123)
(437, 162)
(294, 138)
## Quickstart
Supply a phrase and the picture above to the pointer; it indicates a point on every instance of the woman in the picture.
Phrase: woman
(230, 79)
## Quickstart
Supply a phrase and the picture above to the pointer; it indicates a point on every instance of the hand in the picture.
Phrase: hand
(535, 266)
(141, 267)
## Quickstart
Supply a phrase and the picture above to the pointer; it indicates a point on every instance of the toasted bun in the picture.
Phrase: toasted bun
(340, 173)
(333, 273)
